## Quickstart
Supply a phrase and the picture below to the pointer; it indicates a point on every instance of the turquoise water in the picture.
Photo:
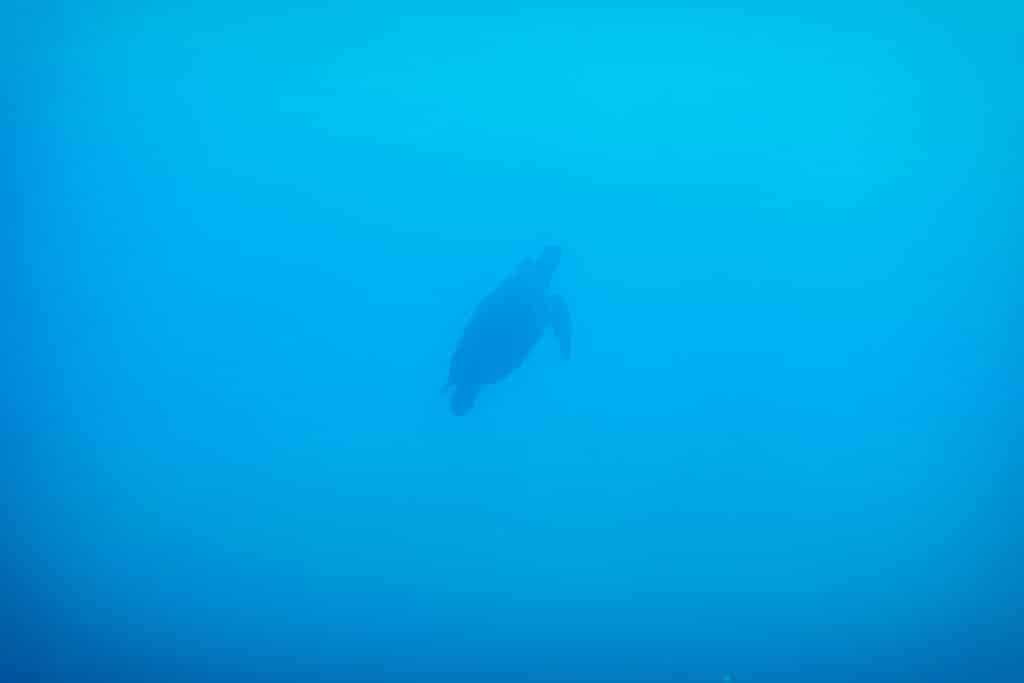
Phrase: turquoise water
(786, 447)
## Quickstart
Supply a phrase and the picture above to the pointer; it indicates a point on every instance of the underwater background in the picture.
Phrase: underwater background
(243, 242)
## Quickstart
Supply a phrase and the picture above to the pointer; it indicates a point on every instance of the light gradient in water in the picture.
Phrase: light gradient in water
(245, 240)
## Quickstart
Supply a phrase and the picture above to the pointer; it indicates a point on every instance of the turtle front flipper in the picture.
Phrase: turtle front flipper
(561, 324)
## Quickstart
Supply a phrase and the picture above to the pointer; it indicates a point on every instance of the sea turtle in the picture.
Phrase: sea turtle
(504, 328)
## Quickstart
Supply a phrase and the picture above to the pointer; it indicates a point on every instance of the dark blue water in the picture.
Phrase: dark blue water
(244, 241)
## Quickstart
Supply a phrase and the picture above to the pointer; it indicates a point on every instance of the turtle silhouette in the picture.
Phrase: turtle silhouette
(504, 328)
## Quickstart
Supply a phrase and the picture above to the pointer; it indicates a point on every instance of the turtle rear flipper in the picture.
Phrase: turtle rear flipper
(561, 324)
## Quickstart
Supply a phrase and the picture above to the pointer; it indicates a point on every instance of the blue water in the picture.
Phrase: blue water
(245, 240)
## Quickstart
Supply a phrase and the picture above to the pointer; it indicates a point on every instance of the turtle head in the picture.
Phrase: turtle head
(546, 265)
(462, 399)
